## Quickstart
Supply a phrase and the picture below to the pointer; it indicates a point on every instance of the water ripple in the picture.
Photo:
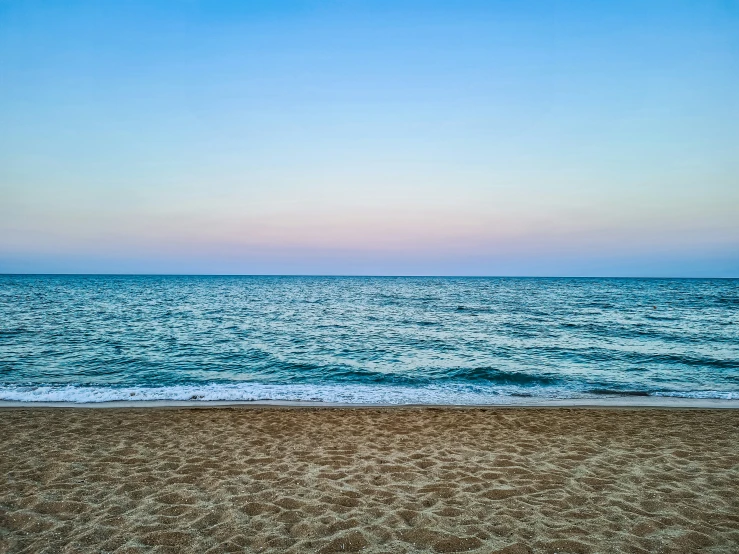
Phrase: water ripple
(469, 337)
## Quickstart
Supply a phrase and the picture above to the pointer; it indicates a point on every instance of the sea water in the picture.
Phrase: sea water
(365, 339)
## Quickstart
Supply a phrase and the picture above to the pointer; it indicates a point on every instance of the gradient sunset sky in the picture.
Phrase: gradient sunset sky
(391, 138)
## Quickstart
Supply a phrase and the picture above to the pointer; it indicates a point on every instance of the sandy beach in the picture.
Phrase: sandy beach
(245, 479)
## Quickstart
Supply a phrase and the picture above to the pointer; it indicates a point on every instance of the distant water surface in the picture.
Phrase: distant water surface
(365, 339)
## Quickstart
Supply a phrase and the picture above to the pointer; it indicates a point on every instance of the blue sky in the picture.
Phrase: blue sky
(480, 138)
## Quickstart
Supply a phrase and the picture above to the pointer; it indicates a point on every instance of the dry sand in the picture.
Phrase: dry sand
(377, 480)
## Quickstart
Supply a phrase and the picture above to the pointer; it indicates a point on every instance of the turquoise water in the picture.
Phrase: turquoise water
(365, 339)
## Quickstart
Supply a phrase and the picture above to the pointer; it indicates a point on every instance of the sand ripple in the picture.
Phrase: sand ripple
(510, 481)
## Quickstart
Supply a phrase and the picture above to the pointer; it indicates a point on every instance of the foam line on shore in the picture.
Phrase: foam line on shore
(335, 393)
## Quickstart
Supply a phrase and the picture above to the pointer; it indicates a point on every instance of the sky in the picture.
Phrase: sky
(373, 138)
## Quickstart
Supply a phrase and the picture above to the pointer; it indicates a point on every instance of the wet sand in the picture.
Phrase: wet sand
(246, 479)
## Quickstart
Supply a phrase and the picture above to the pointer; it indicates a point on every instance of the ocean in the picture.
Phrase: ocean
(389, 340)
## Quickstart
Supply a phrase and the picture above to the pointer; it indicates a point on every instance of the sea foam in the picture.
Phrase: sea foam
(344, 394)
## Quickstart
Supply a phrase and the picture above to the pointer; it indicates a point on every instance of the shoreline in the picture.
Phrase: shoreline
(620, 402)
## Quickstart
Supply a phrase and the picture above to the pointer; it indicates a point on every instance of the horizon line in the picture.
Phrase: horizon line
(341, 275)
